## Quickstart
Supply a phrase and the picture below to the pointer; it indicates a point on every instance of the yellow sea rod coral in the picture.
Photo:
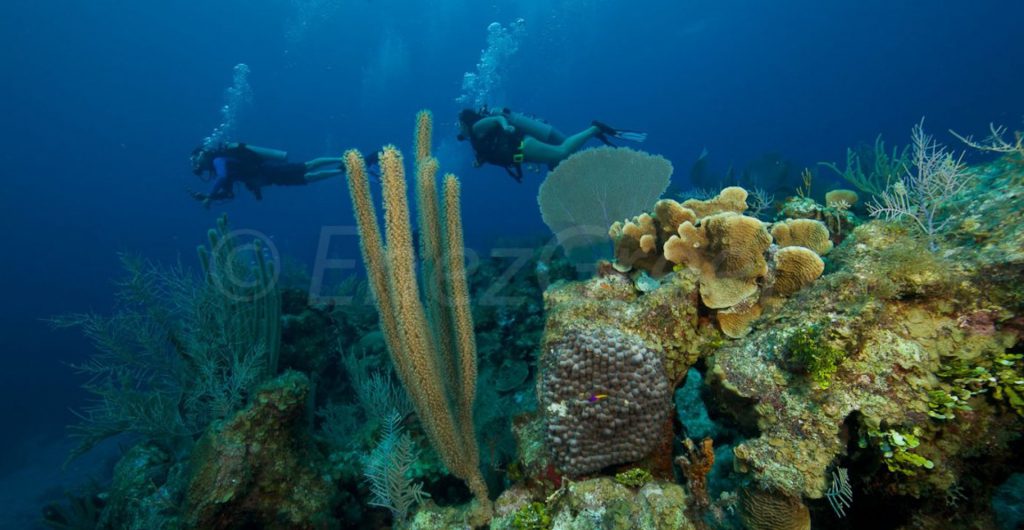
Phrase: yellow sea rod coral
(803, 233)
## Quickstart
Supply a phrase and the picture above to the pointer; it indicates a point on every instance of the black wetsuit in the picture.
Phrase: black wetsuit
(239, 164)
(500, 148)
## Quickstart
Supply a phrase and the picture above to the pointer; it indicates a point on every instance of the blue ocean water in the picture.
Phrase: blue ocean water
(102, 101)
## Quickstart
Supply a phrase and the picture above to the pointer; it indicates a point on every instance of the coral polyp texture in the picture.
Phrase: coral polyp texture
(605, 397)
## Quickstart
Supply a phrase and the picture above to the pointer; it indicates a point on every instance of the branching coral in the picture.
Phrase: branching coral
(882, 166)
(924, 194)
(695, 464)
(179, 353)
(388, 470)
(996, 141)
(434, 356)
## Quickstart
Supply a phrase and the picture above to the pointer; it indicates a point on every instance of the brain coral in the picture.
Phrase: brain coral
(605, 397)
(766, 510)
(803, 233)
(795, 268)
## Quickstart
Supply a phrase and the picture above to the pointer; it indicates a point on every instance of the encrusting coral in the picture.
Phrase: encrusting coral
(259, 468)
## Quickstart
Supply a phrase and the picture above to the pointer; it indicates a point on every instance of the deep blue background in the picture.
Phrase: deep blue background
(101, 101)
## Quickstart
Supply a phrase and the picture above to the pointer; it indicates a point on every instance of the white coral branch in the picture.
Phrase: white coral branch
(925, 190)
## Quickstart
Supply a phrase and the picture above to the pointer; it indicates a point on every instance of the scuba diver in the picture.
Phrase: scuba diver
(509, 139)
(255, 167)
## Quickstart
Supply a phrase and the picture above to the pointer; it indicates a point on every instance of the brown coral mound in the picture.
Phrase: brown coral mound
(727, 250)
(731, 199)
(795, 268)
(670, 214)
(635, 240)
(766, 510)
(735, 321)
(604, 395)
(840, 196)
(803, 233)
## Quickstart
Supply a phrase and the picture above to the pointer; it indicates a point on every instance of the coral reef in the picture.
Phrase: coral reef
(878, 355)
(260, 468)
(830, 370)
(597, 503)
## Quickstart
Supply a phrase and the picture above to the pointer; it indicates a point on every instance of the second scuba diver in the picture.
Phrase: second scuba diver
(509, 139)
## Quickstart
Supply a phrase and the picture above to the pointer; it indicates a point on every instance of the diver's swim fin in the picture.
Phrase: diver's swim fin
(633, 136)
(622, 134)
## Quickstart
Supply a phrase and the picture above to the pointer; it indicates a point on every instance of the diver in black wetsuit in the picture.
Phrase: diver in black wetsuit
(509, 139)
(255, 167)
